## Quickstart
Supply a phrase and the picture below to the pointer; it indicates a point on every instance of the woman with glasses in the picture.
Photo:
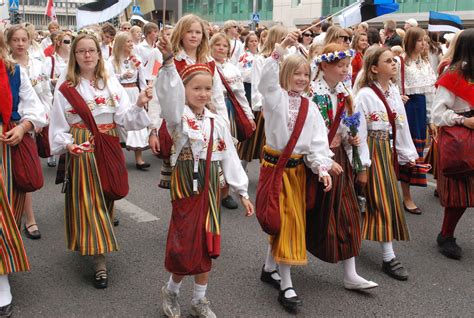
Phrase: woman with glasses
(89, 214)
(305, 41)
(57, 63)
(18, 39)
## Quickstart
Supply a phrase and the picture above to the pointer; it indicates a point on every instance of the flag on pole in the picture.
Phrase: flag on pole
(366, 10)
(50, 12)
(99, 11)
(444, 22)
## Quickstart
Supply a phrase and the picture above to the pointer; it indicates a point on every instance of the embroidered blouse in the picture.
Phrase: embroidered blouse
(108, 105)
(255, 78)
(374, 117)
(447, 105)
(40, 81)
(280, 109)
(131, 64)
(59, 66)
(187, 130)
(246, 64)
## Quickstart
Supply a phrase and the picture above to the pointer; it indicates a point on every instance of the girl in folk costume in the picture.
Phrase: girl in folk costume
(18, 39)
(246, 63)
(252, 148)
(229, 73)
(333, 225)
(454, 106)
(359, 44)
(88, 214)
(382, 112)
(283, 104)
(128, 70)
(190, 42)
(448, 57)
(202, 146)
(20, 106)
(56, 64)
(417, 80)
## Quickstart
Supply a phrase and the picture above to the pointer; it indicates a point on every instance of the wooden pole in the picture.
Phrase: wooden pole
(332, 15)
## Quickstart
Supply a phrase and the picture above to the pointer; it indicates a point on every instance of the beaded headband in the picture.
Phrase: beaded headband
(336, 55)
(190, 69)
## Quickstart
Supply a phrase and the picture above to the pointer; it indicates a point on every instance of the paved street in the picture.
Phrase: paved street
(59, 284)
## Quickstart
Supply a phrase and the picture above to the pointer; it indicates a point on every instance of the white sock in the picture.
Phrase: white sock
(172, 286)
(199, 292)
(387, 251)
(5, 294)
(350, 273)
(270, 264)
(244, 164)
(285, 273)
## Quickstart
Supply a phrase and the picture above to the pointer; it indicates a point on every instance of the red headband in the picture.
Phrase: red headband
(190, 69)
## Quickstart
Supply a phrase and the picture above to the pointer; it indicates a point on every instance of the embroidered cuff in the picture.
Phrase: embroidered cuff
(323, 171)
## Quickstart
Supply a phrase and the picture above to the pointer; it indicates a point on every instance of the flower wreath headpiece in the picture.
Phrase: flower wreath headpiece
(88, 32)
(336, 55)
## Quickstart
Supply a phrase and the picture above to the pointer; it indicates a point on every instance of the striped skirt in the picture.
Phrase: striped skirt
(384, 219)
(333, 226)
(89, 229)
(252, 148)
(12, 251)
(416, 115)
(231, 114)
(289, 246)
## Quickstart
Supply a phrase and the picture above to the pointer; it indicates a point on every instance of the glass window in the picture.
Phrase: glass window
(211, 7)
(335, 3)
(204, 9)
(235, 7)
(220, 8)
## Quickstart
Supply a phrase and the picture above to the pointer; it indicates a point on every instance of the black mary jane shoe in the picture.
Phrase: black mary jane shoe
(290, 304)
(395, 269)
(116, 221)
(266, 277)
(143, 166)
(6, 311)
(34, 235)
(100, 279)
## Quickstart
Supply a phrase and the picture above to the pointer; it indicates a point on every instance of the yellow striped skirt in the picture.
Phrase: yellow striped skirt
(289, 246)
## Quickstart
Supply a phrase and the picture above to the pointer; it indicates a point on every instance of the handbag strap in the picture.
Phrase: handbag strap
(230, 93)
(53, 63)
(402, 71)
(335, 124)
(80, 106)
(391, 119)
(208, 159)
(300, 120)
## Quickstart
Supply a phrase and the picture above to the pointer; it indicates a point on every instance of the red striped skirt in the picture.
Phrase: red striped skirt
(252, 148)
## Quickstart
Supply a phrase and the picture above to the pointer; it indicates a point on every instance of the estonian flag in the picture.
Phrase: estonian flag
(366, 10)
(99, 11)
(443, 22)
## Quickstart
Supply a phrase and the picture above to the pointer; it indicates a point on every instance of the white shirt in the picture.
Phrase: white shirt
(188, 131)
(246, 65)
(446, 105)
(148, 52)
(60, 66)
(46, 42)
(319, 40)
(280, 110)
(237, 49)
(106, 51)
(40, 82)
(132, 65)
(256, 76)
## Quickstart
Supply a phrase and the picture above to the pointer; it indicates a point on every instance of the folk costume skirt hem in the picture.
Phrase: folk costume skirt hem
(252, 148)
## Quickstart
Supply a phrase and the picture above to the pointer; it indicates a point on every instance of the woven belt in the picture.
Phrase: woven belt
(274, 160)
(102, 127)
(129, 84)
(185, 154)
(467, 114)
(379, 134)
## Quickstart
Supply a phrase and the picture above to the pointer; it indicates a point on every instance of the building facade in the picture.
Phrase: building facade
(296, 12)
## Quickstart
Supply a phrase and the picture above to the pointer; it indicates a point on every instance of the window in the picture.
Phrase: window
(220, 8)
(295, 3)
(204, 9)
(211, 7)
(235, 7)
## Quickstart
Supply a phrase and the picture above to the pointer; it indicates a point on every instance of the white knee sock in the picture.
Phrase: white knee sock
(270, 264)
(387, 251)
(285, 273)
(5, 294)
(173, 286)
(350, 273)
(199, 292)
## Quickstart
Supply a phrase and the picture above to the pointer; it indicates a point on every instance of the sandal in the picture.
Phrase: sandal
(34, 235)
(100, 279)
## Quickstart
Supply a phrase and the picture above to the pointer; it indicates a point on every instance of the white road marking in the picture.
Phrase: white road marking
(134, 212)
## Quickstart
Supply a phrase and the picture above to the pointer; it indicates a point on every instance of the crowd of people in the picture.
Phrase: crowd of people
(336, 116)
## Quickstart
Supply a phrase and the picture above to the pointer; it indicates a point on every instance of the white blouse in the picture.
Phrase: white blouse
(234, 79)
(245, 65)
(108, 105)
(60, 65)
(40, 81)
(256, 76)
(446, 105)
(237, 49)
(375, 117)
(189, 131)
(280, 110)
(131, 64)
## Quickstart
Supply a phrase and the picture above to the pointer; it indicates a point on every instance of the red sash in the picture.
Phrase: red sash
(458, 85)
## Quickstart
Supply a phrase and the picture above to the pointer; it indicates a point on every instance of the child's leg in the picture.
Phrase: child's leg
(350, 272)
(391, 266)
(169, 296)
(5, 294)
(174, 283)
(200, 286)
(387, 251)
(285, 273)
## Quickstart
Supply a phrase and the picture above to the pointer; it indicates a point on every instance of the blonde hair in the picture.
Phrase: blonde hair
(229, 24)
(397, 50)
(333, 34)
(60, 38)
(117, 51)
(12, 30)
(275, 35)
(9, 63)
(289, 67)
(183, 25)
(314, 49)
(218, 37)
(371, 58)
(74, 72)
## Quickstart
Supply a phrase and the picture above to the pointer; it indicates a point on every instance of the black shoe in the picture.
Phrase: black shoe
(435, 193)
(100, 279)
(266, 277)
(291, 303)
(229, 203)
(116, 221)
(52, 164)
(416, 210)
(395, 269)
(448, 247)
(35, 235)
(6, 311)
(143, 166)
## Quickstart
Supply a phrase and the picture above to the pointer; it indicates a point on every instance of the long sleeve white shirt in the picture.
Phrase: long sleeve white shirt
(446, 105)
(40, 82)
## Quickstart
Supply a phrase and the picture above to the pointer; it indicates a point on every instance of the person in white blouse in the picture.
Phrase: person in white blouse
(20, 106)
(189, 122)
(282, 98)
(384, 219)
(89, 215)
(231, 29)
(56, 64)
(129, 71)
(19, 41)
(146, 50)
(136, 33)
(107, 35)
(246, 63)
(53, 26)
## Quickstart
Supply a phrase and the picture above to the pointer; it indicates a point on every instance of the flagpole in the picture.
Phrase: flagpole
(332, 15)
(164, 14)
(67, 14)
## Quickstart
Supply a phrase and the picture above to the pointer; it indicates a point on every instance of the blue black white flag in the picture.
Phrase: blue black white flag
(443, 22)
(366, 10)
(99, 11)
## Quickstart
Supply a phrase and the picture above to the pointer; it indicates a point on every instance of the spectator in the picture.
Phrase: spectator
(373, 37)
(50, 49)
(359, 44)
(125, 26)
(397, 50)
(320, 38)
(363, 27)
(410, 23)
(107, 34)
(231, 29)
(390, 26)
(52, 27)
(136, 33)
(401, 33)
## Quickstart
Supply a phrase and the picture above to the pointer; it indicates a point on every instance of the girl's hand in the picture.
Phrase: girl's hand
(14, 136)
(362, 178)
(145, 96)
(405, 99)
(336, 169)
(247, 205)
(469, 122)
(327, 181)
(154, 143)
(164, 45)
(290, 39)
(434, 131)
(253, 124)
(74, 150)
(354, 141)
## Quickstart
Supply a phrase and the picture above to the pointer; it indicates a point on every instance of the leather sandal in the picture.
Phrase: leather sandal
(34, 235)
(100, 279)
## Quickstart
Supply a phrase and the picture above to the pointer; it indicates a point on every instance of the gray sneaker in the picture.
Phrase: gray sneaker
(170, 303)
(202, 309)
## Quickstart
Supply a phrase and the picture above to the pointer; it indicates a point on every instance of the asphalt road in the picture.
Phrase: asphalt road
(59, 283)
